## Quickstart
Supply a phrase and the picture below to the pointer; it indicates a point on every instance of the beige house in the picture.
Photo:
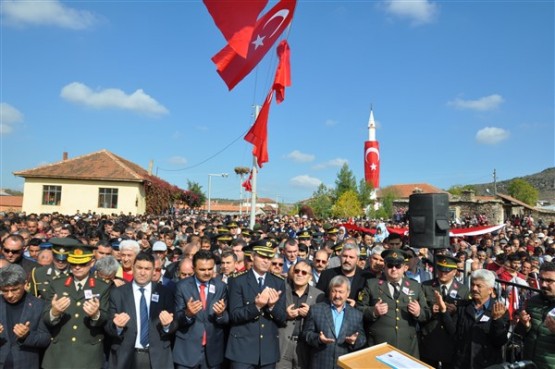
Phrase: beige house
(100, 182)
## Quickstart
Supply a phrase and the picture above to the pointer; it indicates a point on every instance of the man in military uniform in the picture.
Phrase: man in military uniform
(75, 313)
(256, 311)
(42, 275)
(437, 347)
(393, 305)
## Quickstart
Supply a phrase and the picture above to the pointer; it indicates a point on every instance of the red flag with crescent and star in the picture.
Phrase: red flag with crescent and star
(232, 67)
(236, 20)
(372, 163)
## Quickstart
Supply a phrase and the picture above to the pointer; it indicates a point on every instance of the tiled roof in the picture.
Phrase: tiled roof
(403, 191)
(101, 165)
(515, 201)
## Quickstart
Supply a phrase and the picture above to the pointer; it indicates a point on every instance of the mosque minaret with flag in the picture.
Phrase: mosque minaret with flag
(372, 156)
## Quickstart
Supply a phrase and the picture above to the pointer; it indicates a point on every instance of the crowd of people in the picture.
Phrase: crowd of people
(206, 291)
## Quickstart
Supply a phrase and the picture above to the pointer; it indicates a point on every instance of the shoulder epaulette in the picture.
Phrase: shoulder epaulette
(279, 276)
(237, 274)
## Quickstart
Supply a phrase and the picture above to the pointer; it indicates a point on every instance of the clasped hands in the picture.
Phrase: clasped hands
(91, 307)
(348, 339)
(381, 308)
(194, 306)
(268, 297)
(120, 320)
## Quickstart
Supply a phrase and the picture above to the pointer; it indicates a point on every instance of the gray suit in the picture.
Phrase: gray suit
(287, 341)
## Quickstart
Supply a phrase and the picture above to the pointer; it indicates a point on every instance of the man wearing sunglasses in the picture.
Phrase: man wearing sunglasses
(12, 251)
(299, 297)
(393, 305)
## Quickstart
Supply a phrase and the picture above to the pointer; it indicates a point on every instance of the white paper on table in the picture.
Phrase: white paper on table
(397, 360)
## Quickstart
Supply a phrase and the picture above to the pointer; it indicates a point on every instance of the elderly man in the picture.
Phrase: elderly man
(23, 333)
(480, 325)
(333, 328)
(128, 252)
(537, 322)
(320, 263)
(299, 297)
(393, 305)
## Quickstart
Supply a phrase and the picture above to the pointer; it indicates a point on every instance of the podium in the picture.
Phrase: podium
(380, 356)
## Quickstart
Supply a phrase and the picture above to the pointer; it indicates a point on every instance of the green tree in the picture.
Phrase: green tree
(347, 205)
(345, 181)
(386, 209)
(457, 190)
(523, 191)
(196, 188)
(364, 192)
(321, 201)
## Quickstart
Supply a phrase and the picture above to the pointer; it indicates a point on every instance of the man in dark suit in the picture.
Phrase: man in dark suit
(299, 297)
(349, 258)
(256, 310)
(393, 305)
(200, 308)
(23, 333)
(12, 251)
(75, 313)
(142, 326)
(437, 347)
(333, 328)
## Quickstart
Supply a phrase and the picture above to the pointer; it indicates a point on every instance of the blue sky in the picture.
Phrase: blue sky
(458, 88)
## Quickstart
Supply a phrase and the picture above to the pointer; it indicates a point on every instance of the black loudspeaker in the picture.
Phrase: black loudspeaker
(429, 220)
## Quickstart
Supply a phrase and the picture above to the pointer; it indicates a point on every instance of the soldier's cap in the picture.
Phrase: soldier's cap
(446, 263)
(80, 254)
(66, 242)
(45, 245)
(263, 247)
(246, 232)
(60, 253)
(224, 237)
(363, 252)
(332, 230)
(338, 247)
(114, 243)
(303, 235)
(232, 225)
(247, 250)
(394, 256)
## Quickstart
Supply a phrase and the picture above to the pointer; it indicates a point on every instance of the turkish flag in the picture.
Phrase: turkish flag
(247, 185)
(372, 163)
(232, 67)
(236, 20)
(283, 72)
(258, 134)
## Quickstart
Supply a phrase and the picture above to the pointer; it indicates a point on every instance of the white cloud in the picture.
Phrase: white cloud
(482, 104)
(9, 116)
(417, 11)
(330, 122)
(300, 157)
(45, 13)
(491, 135)
(334, 163)
(138, 101)
(305, 181)
(177, 160)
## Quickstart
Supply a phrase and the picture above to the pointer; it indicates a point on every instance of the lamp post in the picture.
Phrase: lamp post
(224, 175)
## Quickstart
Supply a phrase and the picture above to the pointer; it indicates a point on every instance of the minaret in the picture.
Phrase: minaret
(372, 156)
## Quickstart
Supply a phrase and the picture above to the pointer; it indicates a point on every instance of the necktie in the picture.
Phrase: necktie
(260, 283)
(203, 300)
(396, 292)
(144, 318)
(79, 287)
(444, 291)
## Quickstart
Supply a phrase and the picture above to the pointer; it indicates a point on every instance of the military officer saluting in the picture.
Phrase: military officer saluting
(76, 310)
(393, 305)
(42, 275)
(437, 347)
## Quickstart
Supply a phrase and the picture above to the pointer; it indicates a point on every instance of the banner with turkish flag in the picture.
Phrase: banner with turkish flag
(232, 67)
(283, 72)
(236, 20)
(372, 163)
(258, 134)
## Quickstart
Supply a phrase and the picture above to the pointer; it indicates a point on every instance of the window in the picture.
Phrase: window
(51, 195)
(108, 198)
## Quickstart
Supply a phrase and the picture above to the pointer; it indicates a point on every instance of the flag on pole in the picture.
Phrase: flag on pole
(283, 72)
(236, 20)
(232, 67)
(247, 185)
(372, 163)
(258, 134)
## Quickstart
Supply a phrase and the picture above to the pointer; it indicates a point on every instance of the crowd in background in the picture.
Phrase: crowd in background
(293, 292)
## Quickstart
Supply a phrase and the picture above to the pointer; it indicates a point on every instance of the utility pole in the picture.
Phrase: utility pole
(494, 182)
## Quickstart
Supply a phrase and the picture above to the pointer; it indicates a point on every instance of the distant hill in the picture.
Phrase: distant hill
(543, 181)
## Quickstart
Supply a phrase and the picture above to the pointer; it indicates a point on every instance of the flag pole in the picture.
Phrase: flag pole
(253, 180)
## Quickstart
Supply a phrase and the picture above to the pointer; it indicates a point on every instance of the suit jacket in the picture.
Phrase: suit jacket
(25, 354)
(320, 319)
(123, 345)
(41, 277)
(188, 338)
(285, 333)
(436, 343)
(357, 282)
(398, 326)
(76, 338)
(254, 337)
